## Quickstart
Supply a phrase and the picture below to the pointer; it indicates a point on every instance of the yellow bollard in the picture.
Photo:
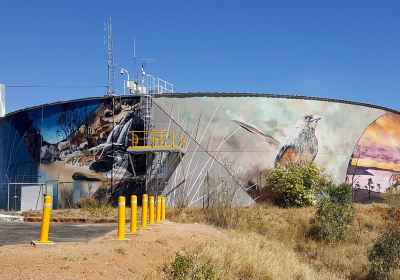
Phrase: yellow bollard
(133, 214)
(163, 208)
(144, 211)
(121, 218)
(158, 216)
(151, 210)
(45, 227)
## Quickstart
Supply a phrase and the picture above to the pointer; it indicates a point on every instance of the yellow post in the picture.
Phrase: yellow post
(144, 211)
(44, 230)
(158, 207)
(121, 218)
(151, 210)
(163, 208)
(133, 214)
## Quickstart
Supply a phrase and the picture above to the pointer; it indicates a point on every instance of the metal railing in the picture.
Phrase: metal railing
(157, 85)
(158, 139)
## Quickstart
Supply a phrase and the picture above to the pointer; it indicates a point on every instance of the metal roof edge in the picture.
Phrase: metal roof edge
(274, 95)
(215, 94)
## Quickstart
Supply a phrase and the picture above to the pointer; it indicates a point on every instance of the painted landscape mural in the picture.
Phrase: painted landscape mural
(375, 162)
(72, 148)
(80, 146)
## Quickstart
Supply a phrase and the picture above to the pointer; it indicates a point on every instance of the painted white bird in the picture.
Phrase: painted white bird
(301, 144)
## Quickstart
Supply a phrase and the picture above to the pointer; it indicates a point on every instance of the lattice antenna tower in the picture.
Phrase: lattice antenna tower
(110, 60)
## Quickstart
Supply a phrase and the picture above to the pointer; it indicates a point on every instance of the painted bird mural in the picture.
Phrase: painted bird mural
(300, 144)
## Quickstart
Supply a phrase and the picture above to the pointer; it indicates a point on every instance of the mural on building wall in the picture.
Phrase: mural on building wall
(258, 132)
(375, 163)
(75, 144)
(301, 143)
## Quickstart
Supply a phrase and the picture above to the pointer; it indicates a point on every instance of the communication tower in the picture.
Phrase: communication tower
(110, 60)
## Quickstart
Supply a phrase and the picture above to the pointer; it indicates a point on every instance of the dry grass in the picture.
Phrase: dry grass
(104, 212)
(273, 243)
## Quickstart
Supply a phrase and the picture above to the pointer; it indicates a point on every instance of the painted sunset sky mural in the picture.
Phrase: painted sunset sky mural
(376, 156)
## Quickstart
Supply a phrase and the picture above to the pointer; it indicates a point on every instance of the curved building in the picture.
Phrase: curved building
(226, 140)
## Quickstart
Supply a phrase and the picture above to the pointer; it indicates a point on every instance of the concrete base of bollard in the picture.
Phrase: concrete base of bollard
(38, 243)
(125, 239)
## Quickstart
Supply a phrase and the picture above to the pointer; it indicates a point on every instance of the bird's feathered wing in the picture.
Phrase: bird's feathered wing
(273, 143)
(286, 154)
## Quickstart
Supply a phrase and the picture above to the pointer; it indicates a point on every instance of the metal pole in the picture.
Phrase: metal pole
(151, 210)
(144, 211)
(2, 100)
(133, 214)
(121, 218)
(8, 197)
(112, 145)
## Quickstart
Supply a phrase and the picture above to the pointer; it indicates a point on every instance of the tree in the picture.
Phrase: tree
(70, 118)
(370, 186)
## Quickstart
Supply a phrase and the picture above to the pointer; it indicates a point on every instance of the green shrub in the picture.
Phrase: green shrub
(188, 267)
(392, 198)
(294, 184)
(94, 207)
(384, 255)
(334, 215)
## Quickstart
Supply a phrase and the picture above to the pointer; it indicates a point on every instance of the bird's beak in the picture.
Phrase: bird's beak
(316, 118)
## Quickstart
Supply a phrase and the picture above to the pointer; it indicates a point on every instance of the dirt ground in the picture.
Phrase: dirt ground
(105, 257)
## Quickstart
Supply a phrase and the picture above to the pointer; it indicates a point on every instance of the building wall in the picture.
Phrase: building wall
(355, 142)
(2, 100)
(72, 146)
(69, 146)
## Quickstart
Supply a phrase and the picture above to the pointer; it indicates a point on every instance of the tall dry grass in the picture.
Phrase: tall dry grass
(268, 242)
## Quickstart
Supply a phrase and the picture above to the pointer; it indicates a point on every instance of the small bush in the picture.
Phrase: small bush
(120, 251)
(294, 184)
(220, 209)
(95, 207)
(392, 198)
(384, 255)
(334, 214)
(187, 267)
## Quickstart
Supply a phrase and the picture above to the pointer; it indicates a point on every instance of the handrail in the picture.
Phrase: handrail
(157, 139)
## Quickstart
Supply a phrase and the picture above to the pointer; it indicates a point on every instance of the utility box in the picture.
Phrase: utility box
(31, 198)
(2, 100)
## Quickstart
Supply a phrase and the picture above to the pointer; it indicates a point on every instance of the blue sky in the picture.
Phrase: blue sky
(339, 49)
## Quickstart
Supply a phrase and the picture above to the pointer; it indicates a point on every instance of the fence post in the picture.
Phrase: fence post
(121, 218)
(144, 211)
(151, 210)
(133, 214)
(163, 208)
(158, 207)
(45, 227)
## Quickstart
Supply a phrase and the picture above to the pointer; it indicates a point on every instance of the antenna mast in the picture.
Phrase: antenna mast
(110, 61)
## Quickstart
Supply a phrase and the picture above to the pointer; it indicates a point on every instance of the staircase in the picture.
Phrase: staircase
(163, 166)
